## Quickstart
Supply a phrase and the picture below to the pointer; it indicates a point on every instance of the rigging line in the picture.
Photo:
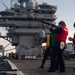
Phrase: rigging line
(7, 45)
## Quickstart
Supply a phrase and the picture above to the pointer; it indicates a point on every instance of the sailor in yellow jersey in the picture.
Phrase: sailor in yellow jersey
(49, 42)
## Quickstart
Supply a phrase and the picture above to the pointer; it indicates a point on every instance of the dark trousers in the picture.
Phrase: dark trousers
(46, 54)
(57, 55)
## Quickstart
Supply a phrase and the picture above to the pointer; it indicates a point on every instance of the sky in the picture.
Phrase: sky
(65, 11)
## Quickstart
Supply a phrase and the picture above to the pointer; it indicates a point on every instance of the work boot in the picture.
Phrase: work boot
(62, 71)
(41, 67)
(51, 70)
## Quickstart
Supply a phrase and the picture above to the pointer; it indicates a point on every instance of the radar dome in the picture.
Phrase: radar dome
(17, 5)
(36, 4)
(31, 4)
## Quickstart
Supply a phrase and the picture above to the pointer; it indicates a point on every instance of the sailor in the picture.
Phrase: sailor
(73, 40)
(61, 33)
(49, 43)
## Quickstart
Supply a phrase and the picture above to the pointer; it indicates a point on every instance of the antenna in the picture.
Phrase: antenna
(5, 5)
(11, 3)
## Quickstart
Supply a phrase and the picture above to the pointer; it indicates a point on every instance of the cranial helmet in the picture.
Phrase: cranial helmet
(62, 23)
(74, 25)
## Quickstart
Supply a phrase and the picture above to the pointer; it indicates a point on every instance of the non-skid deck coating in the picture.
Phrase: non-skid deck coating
(31, 67)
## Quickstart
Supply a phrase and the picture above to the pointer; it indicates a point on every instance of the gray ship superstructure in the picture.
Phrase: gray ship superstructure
(23, 26)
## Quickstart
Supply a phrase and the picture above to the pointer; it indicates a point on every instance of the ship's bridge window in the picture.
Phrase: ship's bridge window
(29, 19)
(22, 19)
(15, 19)
(44, 6)
(0, 19)
(7, 19)
(35, 19)
(49, 12)
(43, 12)
(42, 19)
(10, 19)
(3, 19)
(36, 11)
(48, 20)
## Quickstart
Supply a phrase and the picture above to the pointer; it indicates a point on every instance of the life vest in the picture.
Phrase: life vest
(62, 36)
(50, 39)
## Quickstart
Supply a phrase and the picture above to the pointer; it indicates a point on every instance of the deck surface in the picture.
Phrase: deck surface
(31, 67)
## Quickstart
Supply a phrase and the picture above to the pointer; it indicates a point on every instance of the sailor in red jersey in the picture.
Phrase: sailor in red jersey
(61, 33)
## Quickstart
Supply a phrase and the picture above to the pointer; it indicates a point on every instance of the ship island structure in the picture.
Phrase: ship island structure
(23, 27)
